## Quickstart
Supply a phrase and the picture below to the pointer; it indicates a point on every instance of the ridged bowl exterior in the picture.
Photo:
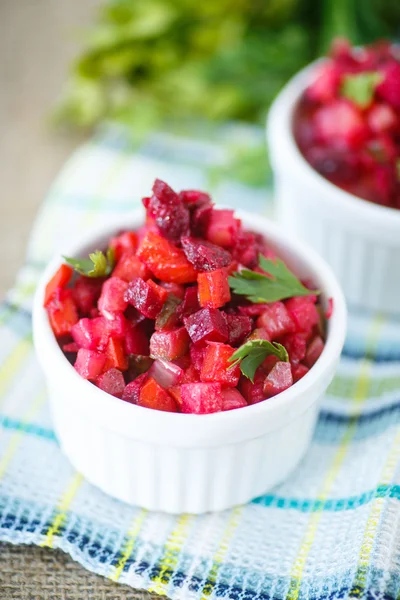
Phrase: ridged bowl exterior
(183, 462)
(175, 479)
(358, 239)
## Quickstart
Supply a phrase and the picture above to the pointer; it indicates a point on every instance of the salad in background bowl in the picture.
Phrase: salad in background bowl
(183, 357)
(334, 139)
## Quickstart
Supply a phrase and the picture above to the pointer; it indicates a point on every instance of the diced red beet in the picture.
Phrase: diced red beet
(314, 351)
(232, 398)
(201, 218)
(131, 392)
(296, 345)
(166, 261)
(136, 340)
(91, 334)
(253, 392)
(130, 266)
(204, 255)
(214, 289)
(246, 249)
(197, 352)
(341, 123)
(201, 398)
(253, 310)
(223, 228)
(207, 324)
(89, 364)
(168, 317)
(194, 197)
(70, 347)
(299, 371)
(174, 288)
(112, 382)
(276, 320)
(329, 310)
(170, 213)
(86, 293)
(115, 354)
(118, 325)
(144, 298)
(389, 88)
(190, 303)
(62, 312)
(163, 191)
(259, 333)
(278, 379)
(159, 290)
(239, 327)
(325, 85)
(112, 296)
(169, 345)
(125, 242)
(234, 267)
(216, 365)
(190, 375)
(152, 395)
(382, 117)
(269, 362)
(303, 313)
(183, 362)
(59, 281)
(134, 316)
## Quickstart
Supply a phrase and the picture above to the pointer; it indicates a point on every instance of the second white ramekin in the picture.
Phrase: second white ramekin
(182, 462)
(360, 240)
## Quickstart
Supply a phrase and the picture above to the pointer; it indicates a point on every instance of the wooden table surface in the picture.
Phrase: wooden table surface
(38, 38)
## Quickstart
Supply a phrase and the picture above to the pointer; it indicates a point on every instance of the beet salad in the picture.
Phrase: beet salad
(347, 123)
(190, 313)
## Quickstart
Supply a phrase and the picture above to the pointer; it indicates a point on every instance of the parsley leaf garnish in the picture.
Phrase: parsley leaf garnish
(360, 88)
(251, 354)
(97, 265)
(280, 283)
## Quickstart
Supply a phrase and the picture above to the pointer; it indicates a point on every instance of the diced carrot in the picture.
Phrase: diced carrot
(214, 289)
(59, 280)
(115, 354)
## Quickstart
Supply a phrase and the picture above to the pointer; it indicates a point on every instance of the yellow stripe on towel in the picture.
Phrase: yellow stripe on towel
(12, 364)
(62, 509)
(172, 549)
(371, 527)
(130, 543)
(360, 396)
(220, 554)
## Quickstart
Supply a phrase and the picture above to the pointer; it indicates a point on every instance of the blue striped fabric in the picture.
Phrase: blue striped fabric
(332, 530)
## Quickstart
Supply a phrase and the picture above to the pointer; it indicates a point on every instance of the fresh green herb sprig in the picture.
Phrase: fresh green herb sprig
(97, 265)
(253, 353)
(360, 87)
(279, 283)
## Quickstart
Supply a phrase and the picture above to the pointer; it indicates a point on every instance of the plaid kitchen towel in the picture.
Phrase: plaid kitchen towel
(332, 530)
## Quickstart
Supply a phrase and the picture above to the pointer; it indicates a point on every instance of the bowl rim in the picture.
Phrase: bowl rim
(282, 142)
(197, 428)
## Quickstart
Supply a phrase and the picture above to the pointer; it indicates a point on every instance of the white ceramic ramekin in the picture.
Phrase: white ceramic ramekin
(360, 240)
(182, 462)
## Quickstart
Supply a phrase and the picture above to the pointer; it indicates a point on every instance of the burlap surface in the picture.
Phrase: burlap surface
(32, 573)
